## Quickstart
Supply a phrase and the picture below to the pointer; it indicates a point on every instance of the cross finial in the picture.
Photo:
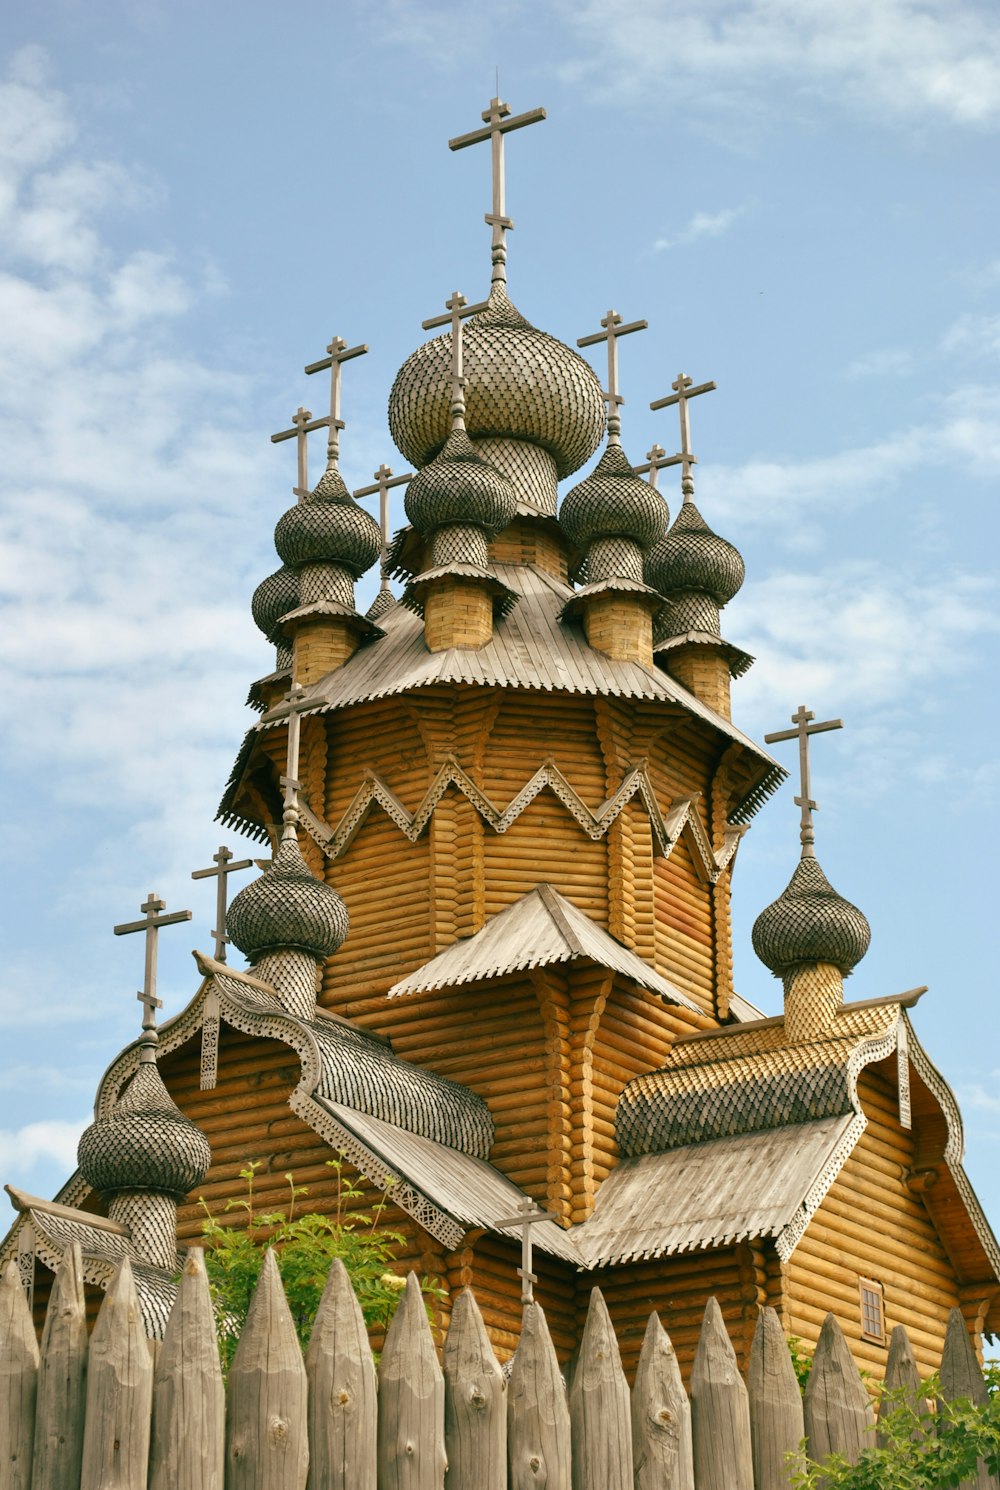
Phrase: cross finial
(384, 482)
(337, 353)
(802, 720)
(303, 425)
(499, 121)
(683, 391)
(225, 866)
(526, 1218)
(613, 329)
(656, 459)
(153, 920)
(295, 703)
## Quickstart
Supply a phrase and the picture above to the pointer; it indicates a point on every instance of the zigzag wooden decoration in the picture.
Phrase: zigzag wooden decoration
(680, 819)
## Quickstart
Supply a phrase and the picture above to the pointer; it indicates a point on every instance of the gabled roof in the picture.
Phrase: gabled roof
(538, 930)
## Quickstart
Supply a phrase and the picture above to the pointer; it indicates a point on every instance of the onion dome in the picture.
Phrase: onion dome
(613, 502)
(287, 908)
(329, 527)
(144, 1143)
(810, 922)
(692, 557)
(273, 598)
(459, 487)
(520, 384)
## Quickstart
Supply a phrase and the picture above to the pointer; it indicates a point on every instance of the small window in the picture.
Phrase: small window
(872, 1310)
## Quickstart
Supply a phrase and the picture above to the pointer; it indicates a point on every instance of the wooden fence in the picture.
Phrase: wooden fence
(112, 1414)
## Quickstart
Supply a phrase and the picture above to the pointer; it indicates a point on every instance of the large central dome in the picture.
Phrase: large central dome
(523, 388)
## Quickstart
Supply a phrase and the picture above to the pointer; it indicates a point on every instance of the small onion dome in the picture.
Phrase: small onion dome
(287, 907)
(613, 502)
(329, 527)
(459, 487)
(144, 1143)
(810, 922)
(273, 598)
(692, 557)
(520, 384)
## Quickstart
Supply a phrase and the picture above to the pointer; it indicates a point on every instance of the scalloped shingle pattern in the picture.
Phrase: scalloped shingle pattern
(144, 1143)
(613, 502)
(458, 486)
(692, 557)
(287, 907)
(810, 922)
(273, 598)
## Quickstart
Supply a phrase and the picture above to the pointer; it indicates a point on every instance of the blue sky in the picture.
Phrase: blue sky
(800, 197)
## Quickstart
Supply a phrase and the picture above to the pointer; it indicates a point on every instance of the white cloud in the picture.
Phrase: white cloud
(887, 362)
(702, 225)
(53, 1141)
(900, 61)
(975, 335)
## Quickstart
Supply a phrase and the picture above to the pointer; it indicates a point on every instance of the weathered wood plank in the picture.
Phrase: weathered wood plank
(266, 1429)
(662, 1450)
(599, 1407)
(189, 1404)
(475, 1403)
(838, 1410)
(343, 1402)
(62, 1381)
(119, 1392)
(961, 1376)
(18, 1382)
(720, 1412)
(901, 1375)
(411, 1401)
(777, 1425)
(538, 1429)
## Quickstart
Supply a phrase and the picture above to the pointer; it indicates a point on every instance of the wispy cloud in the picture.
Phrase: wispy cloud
(887, 362)
(974, 335)
(54, 1142)
(701, 225)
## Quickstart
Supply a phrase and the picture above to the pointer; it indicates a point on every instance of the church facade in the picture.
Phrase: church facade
(490, 959)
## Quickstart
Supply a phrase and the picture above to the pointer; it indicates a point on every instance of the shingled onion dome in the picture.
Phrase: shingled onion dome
(698, 571)
(534, 407)
(145, 1156)
(614, 516)
(286, 923)
(330, 540)
(460, 501)
(273, 598)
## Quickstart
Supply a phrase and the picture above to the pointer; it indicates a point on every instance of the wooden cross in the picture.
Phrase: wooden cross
(303, 425)
(225, 866)
(499, 121)
(656, 459)
(383, 485)
(153, 920)
(613, 329)
(803, 729)
(292, 707)
(338, 352)
(682, 392)
(525, 1219)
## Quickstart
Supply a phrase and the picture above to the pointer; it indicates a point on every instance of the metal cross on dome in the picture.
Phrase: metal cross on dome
(153, 920)
(527, 1216)
(802, 719)
(384, 482)
(683, 391)
(225, 866)
(499, 121)
(337, 353)
(303, 425)
(613, 329)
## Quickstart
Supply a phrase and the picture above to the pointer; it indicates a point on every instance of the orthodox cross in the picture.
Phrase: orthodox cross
(525, 1219)
(383, 485)
(656, 459)
(293, 706)
(803, 729)
(338, 352)
(683, 391)
(303, 425)
(499, 121)
(153, 920)
(225, 866)
(613, 329)
(458, 309)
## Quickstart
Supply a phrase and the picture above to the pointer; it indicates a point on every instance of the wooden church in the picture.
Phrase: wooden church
(489, 960)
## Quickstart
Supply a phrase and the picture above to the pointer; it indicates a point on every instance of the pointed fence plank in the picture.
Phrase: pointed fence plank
(538, 1431)
(901, 1375)
(343, 1392)
(661, 1417)
(777, 1425)
(475, 1403)
(720, 1411)
(961, 1376)
(838, 1410)
(266, 1429)
(411, 1400)
(599, 1407)
(18, 1382)
(119, 1392)
(189, 1404)
(62, 1381)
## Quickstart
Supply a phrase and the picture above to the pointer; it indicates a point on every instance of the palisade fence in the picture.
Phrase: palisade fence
(114, 1414)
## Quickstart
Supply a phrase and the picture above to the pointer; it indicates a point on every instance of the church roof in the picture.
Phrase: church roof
(538, 930)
